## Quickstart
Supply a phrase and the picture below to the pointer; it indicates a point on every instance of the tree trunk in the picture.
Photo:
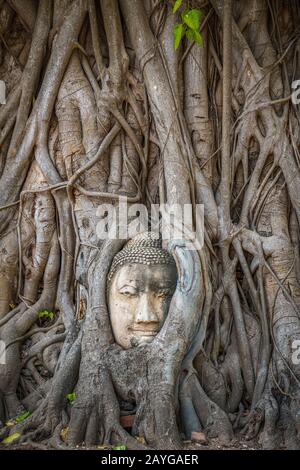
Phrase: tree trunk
(101, 109)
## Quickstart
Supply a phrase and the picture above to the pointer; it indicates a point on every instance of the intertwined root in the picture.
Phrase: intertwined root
(94, 422)
(95, 129)
(275, 418)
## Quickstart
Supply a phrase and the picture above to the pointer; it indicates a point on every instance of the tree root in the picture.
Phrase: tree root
(275, 418)
(214, 420)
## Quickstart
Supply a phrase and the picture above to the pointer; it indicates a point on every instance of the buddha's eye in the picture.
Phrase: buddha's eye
(163, 294)
(128, 291)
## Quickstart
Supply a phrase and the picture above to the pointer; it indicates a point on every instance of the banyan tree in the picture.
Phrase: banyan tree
(102, 107)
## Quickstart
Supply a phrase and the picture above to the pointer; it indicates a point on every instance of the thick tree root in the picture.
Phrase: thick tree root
(275, 418)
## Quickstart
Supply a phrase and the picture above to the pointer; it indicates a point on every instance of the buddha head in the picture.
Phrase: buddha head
(141, 283)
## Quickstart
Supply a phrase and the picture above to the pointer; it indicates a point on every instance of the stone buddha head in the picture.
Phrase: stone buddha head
(141, 283)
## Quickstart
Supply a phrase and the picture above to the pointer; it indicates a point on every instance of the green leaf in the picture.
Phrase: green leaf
(192, 18)
(179, 31)
(10, 423)
(71, 397)
(46, 314)
(18, 419)
(12, 438)
(190, 35)
(198, 38)
(120, 447)
(177, 5)
(22, 417)
(195, 36)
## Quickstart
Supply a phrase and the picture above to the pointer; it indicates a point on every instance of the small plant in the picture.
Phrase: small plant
(191, 19)
(46, 314)
(71, 398)
(120, 447)
(22, 417)
(18, 419)
(12, 438)
(10, 423)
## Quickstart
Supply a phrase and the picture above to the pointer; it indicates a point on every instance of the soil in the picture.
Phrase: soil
(212, 444)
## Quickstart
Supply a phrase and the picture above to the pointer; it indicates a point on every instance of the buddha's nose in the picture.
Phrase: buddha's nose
(145, 312)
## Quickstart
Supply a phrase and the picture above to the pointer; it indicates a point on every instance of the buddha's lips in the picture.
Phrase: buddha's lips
(144, 332)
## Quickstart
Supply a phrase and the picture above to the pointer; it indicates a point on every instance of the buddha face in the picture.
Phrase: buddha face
(139, 299)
